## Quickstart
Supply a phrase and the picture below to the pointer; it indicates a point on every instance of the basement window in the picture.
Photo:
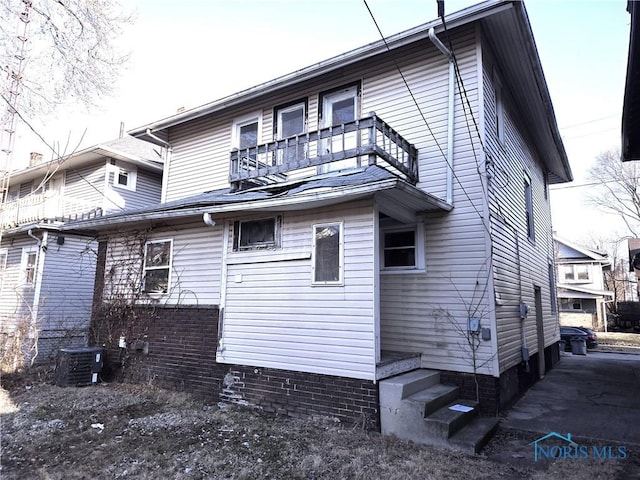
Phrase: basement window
(157, 266)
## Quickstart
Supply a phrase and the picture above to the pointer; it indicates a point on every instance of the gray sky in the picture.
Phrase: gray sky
(189, 52)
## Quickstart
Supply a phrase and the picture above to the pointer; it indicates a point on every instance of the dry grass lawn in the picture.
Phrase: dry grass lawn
(125, 431)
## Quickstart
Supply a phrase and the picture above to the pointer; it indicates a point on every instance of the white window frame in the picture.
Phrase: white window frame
(25, 268)
(529, 210)
(314, 254)
(499, 107)
(4, 256)
(572, 267)
(243, 121)
(419, 247)
(277, 235)
(293, 153)
(131, 172)
(168, 267)
(326, 101)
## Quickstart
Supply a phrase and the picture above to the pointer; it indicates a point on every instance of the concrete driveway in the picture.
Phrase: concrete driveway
(595, 396)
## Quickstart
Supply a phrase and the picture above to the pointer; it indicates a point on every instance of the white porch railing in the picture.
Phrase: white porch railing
(45, 207)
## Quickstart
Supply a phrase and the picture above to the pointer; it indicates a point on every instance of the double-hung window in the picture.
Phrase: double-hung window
(246, 136)
(157, 266)
(29, 265)
(3, 265)
(528, 199)
(327, 253)
(291, 121)
(575, 273)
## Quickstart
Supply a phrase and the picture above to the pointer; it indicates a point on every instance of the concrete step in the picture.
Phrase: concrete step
(444, 422)
(393, 390)
(473, 437)
(434, 397)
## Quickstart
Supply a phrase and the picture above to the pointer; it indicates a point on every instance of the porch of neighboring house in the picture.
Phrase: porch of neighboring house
(38, 207)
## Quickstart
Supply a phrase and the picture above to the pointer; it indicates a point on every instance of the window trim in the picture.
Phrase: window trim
(168, 267)
(4, 258)
(529, 210)
(575, 279)
(24, 266)
(314, 254)
(419, 246)
(243, 121)
(277, 234)
(132, 175)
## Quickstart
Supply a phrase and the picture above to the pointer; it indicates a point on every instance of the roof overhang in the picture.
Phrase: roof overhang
(395, 197)
(571, 291)
(631, 103)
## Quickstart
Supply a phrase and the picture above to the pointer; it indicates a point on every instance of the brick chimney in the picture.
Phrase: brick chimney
(35, 158)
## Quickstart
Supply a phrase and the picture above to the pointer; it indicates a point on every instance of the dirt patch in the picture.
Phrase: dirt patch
(127, 431)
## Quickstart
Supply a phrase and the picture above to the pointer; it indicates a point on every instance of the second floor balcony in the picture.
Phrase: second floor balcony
(39, 207)
(362, 142)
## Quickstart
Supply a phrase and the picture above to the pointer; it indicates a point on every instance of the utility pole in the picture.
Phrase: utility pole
(11, 96)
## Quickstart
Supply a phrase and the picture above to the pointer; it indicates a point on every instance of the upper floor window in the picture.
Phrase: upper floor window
(327, 253)
(256, 234)
(575, 273)
(339, 107)
(528, 199)
(157, 266)
(124, 176)
(498, 107)
(291, 120)
(246, 131)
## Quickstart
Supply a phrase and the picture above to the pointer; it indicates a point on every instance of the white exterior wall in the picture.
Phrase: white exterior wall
(518, 263)
(66, 292)
(16, 297)
(273, 315)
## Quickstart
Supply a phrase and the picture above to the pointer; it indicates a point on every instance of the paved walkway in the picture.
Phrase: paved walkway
(595, 396)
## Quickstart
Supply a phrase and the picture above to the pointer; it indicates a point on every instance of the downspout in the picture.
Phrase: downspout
(450, 114)
(37, 280)
(167, 162)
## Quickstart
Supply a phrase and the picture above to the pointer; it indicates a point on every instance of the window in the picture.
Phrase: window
(499, 108)
(571, 304)
(157, 266)
(552, 289)
(402, 247)
(338, 107)
(3, 265)
(528, 198)
(327, 254)
(256, 234)
(575, 273)
(291, 121)
(29, 265)
(124, 176)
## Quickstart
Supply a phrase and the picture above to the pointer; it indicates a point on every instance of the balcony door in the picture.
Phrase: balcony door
(53, 204)
(291, 121)
(339, 107)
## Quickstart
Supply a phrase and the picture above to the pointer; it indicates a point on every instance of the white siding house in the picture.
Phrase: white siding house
(48, 277)
(349, 227)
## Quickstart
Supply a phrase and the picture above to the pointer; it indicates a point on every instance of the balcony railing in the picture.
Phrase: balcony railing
(367, 141)
(46, 207)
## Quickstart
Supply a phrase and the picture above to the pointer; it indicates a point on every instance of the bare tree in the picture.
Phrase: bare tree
(618, 191)
(71, 52)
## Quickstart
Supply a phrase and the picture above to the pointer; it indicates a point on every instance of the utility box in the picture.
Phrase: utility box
(78, 367)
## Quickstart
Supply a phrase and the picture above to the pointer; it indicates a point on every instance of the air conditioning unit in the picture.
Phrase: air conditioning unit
(77, 367)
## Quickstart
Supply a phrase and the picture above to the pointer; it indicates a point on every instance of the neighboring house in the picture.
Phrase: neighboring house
(333, 229)
(580, 280)
(47, 277)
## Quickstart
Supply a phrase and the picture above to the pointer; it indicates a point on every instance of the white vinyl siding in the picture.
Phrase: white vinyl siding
(519, 264)
(274, 316)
